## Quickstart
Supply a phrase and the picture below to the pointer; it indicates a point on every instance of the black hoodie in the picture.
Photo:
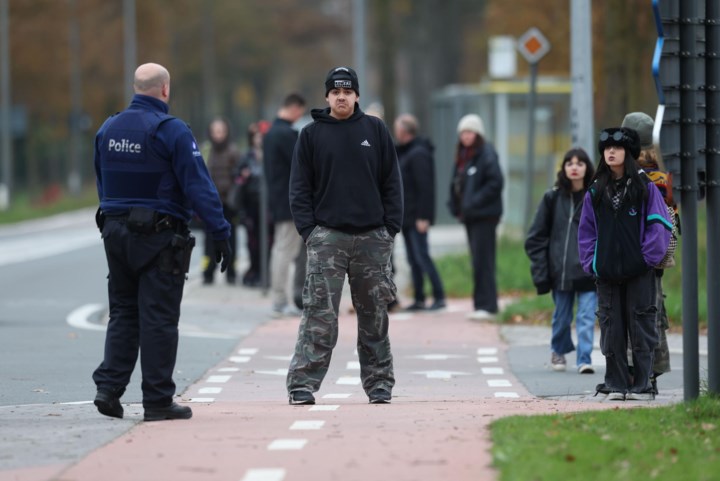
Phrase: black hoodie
(417, 167)
(345, 175)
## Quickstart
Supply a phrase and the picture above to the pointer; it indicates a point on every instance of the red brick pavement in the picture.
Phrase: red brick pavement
(452, 377)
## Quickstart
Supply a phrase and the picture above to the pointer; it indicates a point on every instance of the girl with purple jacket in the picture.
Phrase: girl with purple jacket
(624, 233)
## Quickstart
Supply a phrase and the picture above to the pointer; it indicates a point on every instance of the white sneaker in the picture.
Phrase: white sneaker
(585, 369)
(640, 396)
(481, 315)
(616, 396)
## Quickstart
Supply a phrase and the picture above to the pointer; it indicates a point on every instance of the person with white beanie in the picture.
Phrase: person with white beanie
(476, 201)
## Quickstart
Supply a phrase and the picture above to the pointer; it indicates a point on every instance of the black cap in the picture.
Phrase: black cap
(342, 77)
(621, 137)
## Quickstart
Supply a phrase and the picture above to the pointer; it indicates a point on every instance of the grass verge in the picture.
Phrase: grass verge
(54, 201)
(678, 442)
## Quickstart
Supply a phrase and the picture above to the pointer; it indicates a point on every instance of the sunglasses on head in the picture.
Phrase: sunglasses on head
(617, 136)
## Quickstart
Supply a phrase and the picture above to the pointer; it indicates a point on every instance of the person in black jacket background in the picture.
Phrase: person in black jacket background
(278, 146)
(476, 201)
(552, 246)
(417, 166)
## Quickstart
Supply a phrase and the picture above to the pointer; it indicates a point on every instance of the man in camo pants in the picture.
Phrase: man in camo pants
(346, 200)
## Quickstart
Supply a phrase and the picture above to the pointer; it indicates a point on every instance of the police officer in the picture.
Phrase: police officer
(347, 203)
(150, 178)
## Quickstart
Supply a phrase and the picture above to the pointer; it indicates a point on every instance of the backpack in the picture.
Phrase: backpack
(669, 259)
(663, 181)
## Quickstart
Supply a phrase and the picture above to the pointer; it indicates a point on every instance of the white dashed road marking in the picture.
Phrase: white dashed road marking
(487, 359)
(264, 474)
(437, 357)
(337, 396)
(325, 407)
(202, 400)
(276, 372)
(239, 359)
(210, 390)
(306, 425)
(486, 351)
(287, 444)
(247, 351)
(353, 365)
(499, 383)
(218, 378)
(349, 381)
(493, 370)
(229, 369)
(441, 374)
(506, 394)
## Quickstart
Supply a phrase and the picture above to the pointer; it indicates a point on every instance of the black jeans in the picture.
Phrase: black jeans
(144, 296)
(418, 255)
(481, 236)
(627, 310)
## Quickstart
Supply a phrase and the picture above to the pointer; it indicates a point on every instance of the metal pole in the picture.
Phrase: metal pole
(712, 162)
(5, 131)
(688, 198)
(530, 174)
(359, 43)
(130, 47)
(74, 177)
(582, 126)
(208, 73)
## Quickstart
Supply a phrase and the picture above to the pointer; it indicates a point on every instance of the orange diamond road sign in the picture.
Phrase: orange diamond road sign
(533, 45)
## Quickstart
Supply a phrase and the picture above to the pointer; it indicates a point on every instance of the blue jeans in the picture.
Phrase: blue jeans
(561, 342)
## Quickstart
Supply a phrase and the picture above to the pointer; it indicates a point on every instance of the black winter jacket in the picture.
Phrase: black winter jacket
(278, 146)
(480, 197)
(552, 246)
(345, 175)
(418, 174)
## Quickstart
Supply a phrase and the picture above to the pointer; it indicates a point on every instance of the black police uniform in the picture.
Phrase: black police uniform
(150, 178)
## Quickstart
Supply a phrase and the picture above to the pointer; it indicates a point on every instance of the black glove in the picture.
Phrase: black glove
(543, 287)
(223, 251)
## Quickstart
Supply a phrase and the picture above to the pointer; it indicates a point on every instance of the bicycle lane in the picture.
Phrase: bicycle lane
(453, 380)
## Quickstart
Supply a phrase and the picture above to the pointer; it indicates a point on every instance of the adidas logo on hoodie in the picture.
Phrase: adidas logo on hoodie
(365, 143)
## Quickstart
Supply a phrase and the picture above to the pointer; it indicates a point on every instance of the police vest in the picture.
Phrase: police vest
(131, 168)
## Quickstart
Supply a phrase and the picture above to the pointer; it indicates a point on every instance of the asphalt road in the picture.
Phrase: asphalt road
(49, 273)
(53, 273)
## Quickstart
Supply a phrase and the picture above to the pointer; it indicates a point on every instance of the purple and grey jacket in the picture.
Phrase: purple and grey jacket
(621, 244)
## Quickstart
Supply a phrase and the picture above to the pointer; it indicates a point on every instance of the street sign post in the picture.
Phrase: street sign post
(533, 46)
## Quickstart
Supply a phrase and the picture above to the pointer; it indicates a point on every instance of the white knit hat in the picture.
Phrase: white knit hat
(473, 123)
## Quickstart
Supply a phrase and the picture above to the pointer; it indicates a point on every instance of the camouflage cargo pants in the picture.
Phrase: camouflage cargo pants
(365, 258)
